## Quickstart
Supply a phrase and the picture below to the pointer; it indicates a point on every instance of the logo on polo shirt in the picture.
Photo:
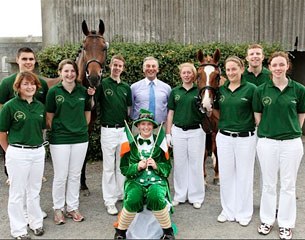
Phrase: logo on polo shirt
(81, 99)
(177, 97)
(266, 101)
(244, 99)
(222, 98)
(108, 92)
(19, 116)
(59, 99)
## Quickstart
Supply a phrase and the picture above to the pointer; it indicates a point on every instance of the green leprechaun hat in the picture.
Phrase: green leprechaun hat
(146, 115)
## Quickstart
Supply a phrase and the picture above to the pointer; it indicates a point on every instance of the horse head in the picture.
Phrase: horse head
(208, 80)
(92, 58)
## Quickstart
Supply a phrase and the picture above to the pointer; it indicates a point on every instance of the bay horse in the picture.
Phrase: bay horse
(91, 62)
(208, 81)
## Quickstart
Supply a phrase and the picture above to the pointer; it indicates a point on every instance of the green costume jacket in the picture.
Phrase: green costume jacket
(129, 168)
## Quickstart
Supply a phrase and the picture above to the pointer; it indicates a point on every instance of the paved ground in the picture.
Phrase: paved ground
(192, 223)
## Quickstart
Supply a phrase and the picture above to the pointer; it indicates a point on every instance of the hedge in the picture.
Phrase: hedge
(170, 55)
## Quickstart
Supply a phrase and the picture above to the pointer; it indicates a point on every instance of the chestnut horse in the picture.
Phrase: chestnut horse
(208, 80)
(91, 64)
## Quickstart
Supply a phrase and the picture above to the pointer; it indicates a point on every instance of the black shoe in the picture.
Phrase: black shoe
(168, 233)
(120, 234)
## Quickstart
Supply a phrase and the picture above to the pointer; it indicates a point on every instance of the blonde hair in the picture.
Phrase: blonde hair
(190, 65)
(255, 45)
(29, 76)
(235, 59)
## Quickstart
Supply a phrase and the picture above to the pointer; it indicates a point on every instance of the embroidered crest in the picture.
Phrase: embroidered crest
(108, 92)
(222, 98)
(59, 99)
(19, 116)
(177, 97)
(266, 101)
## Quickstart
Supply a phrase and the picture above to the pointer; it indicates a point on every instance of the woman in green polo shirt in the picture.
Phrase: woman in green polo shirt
(279, 107)
(188, 139)
(22, 120)
(68, 115)
(236, 144)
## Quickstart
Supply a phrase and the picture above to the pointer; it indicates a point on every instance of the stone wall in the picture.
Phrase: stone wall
(8, 50)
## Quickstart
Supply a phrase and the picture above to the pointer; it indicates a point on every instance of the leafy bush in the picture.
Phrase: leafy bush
(170, 55)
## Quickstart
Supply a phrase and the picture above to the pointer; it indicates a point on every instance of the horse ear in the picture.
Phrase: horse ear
(216, 55)
(85, 28)
(200, 55)
(101, 27)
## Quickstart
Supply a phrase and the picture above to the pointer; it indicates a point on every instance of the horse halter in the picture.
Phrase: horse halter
(102, 65)
(208, 87)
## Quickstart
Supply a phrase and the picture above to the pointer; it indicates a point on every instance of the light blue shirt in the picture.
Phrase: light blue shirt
(140, 98)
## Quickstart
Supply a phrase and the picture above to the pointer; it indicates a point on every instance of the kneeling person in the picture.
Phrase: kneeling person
(146, 168)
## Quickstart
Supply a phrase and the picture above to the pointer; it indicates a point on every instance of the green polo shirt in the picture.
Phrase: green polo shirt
(23, 121)
(183, 103)
(235, 108)
(114, 99)
(279, 110)
(7, 91)
(262, 77)
(69, 124)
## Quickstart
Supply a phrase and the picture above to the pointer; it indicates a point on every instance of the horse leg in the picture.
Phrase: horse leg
(83, 186)
(215, 165)
(204, 167)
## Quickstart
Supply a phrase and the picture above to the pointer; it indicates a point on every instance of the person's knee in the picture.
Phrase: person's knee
(156, 198)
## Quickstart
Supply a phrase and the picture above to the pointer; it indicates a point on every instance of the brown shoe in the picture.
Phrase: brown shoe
(59, 217)
(75, 215)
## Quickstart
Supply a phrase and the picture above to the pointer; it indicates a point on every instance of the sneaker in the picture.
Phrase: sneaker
(38, 231)
(222, 218)
(264, 229)
(24, 237)
(112, 210)
(197, 205)
(44, 214)
(75, 215)
(285, 233)
(59, 217)
(175, 203)
(244, 223)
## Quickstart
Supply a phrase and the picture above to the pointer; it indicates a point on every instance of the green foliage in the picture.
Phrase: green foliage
(170, 55)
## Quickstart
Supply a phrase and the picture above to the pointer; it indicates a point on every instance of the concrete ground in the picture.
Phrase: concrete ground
(191, 223)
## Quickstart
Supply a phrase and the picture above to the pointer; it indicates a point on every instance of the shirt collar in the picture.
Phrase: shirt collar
(147, 81)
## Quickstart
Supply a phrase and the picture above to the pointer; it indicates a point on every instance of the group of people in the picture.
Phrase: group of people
(249, 127)
(267, 104)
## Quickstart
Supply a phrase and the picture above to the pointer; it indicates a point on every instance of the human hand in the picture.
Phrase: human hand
(169, 140)
(142, 165)
(91, 91)
(151, 163)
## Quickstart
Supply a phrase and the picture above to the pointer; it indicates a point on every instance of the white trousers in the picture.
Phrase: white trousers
(112, 180)
(283, 157)
(25, 170)
(188, 151)
(67, 161)
(236, 157)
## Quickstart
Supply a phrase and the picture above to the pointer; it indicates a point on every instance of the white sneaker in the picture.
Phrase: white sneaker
(44, 214)
(222, 218)
(175, 203)
(197, 205)
(244, 223)
(112, 210)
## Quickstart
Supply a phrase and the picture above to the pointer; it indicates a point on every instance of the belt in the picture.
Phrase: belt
(185, 128)
(237, 134)
(30, 147)
(113, 126)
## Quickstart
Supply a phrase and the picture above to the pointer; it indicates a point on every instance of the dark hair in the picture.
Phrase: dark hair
(26, 50)
(68, 61)
(32, 77)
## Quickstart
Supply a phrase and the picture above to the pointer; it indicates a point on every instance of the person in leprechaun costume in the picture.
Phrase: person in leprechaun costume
(145, 164)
